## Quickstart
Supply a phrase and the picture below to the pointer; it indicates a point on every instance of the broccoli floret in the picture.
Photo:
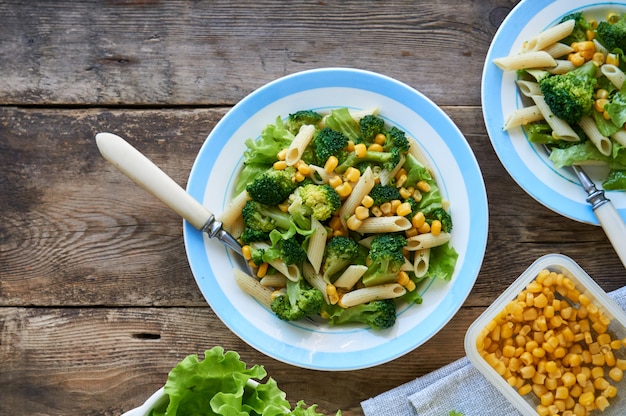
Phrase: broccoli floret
(273, 186)
(581, 26)
(384, 193)
(570, 95)
(301, 300)
(259, 220)
(443, 216)
(339, 253)
(291, 251)
(371, 126)
(386, 259)
(329, 143)
(319, 201)
(396, 139)
(612, 35)
(301, 118)
(378, 314)
(257, 256)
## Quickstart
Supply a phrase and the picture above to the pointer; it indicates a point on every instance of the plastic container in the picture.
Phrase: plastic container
(527, 404)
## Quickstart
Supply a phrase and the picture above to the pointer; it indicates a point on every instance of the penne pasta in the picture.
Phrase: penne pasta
(298, 144)
(315, 280)
(558, 50)
(350, 276)
(232, 213)
(522, 116)
(614, 74)
(363, 187)
(602, 143)
(539, 59)
(421, 262)
(562, 66)
(619, 137)
(317, 244)
(528, 88)
(560, 128)
(369, 294)
(273, 280)
(390, 224)
(550, 36)
(428, 240)
(253, 287)
(291, 272)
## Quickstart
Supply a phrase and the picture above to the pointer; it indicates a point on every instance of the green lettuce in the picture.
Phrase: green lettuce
(222, 384)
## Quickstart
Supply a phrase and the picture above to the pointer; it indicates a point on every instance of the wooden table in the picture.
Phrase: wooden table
(97, 301)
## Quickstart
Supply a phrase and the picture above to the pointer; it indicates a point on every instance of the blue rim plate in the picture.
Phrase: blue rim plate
(528, 165)
(323, 347)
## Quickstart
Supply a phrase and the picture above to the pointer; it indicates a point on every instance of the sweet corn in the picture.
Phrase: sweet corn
(576, 58)
(335, 181)
(280, 165)
(344, 189)
(611, 59)
(423, 186)
(353, 223)
(401, 180)
(245, 251)
(331, 163)
(361, 212)
(435, 227)
(380, 139)
(331, 292)
(282, 155)
(367, 201)
(403, 209)
(352, 174)
(375, 147)
(262, 271)
(360, 150)
(403, 278)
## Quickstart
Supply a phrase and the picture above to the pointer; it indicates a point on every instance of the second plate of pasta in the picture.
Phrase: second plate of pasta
(526, 162)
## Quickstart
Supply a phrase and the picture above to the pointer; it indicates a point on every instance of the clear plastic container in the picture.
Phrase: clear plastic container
(527, 404)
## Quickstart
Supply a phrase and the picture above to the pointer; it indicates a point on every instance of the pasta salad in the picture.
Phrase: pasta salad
(339, 218)
(571, 77)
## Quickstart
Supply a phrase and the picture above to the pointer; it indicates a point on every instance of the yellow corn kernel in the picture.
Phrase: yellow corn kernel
(610, 392)
(598, 58)
(403, 209)
(350, 146)
(418, 220)
(601, 403)
(525, 389)
(353, 223)
(360, 150)
(335, 181)
(586, 398)
(583, 46)
(411, 232)
(590, 34)
(401, 180)
(417, 195)
(303, 168)
(352, 174)
(395, 203)
(385, 208)
(410, 287)
(425, 228)
(245, 251)
(376, 211)
(612, 17)
(276, 294)
(611, 59)
(280, 165)
(405, 192)
(599, 104)
(361, 212)
(262, 271)
(616, 374)
(367, 201)
(299, 177)
(576, 59)
(435, 227)
(331, 164)
(375, 147)
(423, 186)
(380, 139)
(282, 155)
(403, 278)
(331, 291)
(344, 189)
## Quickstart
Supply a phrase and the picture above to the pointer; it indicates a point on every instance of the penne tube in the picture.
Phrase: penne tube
(614, 74)
(390, 224)
(317, 244)
(350, 276)
(273, 280)
(619, 137)
(417, 153)
(428, 240)
(232, 213)
(539, 59)
(558, 50)
(522, 116)
(560, 129)
(421, 262)
(253, 287)
(562, 66)
(291, 272)
(299, 143)
(602, 143)
(386, 176)
(363, 187)
(550, 36)
(528, 88)
(315, 280)
(369, 294)
(599, 47)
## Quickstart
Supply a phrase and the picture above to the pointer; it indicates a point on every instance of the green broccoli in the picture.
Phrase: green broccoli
(291, 252)
(570, 96)
(340, 252)
(371, 126)
(443, 216)
(329, 143)
(301, 118)
(259, 220)
(396, 140)
(612, 35)
(377, 314)
(273, 186)
(312, 200)
(384, 193)
(299, 301)
(386, 259)
(581, 26)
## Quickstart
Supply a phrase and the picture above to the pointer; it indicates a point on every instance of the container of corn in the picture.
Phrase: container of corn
(554, 343)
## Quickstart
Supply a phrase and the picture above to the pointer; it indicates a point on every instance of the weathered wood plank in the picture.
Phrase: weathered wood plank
(104, 361)
(216, 52)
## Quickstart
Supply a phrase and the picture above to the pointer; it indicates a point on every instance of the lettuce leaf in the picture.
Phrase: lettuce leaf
(577, 153)
(222, 385)
(615, 181)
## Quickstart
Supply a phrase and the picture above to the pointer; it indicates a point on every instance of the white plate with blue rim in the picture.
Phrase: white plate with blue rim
(318, 345)
(527, 163)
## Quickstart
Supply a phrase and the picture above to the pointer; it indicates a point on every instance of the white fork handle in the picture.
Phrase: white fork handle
(614, 227)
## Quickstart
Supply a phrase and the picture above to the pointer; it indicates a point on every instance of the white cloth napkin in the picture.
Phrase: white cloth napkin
(458, 386)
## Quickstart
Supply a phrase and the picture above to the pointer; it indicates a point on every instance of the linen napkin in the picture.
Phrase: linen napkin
(458, 386)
